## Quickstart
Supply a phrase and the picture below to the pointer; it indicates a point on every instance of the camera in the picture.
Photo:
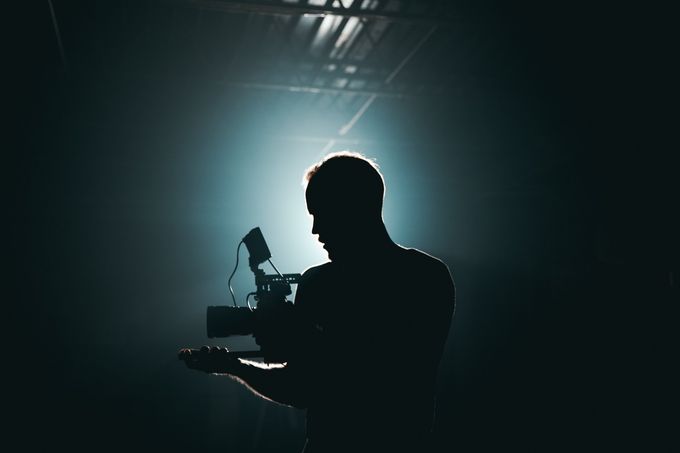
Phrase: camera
(270, 295)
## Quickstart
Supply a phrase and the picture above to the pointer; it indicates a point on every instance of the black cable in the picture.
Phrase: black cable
(277, 271)
(231, 290)
(248, 300)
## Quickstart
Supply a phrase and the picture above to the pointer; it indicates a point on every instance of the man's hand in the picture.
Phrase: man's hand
(210, 359)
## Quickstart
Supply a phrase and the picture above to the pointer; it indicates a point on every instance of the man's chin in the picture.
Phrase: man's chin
(331, 254)
(338, 256)
(339, 252)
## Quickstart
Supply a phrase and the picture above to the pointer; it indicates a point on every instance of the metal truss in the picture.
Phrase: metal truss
(268, 7)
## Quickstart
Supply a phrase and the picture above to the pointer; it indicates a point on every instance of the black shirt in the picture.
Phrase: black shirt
(369, 371)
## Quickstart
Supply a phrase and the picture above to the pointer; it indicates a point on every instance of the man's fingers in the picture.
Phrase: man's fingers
(186, 354)
(219, 351)
(210, 359)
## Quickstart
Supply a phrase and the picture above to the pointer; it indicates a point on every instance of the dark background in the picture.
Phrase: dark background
(537, 148)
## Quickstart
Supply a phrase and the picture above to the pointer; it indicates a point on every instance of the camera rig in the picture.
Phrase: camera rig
(270, 295)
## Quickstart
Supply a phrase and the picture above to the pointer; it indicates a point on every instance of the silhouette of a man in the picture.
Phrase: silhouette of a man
(370, 324)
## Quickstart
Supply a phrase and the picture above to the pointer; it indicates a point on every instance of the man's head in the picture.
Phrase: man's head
(344, 194)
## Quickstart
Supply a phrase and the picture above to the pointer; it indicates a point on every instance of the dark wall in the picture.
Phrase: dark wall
(565, 255)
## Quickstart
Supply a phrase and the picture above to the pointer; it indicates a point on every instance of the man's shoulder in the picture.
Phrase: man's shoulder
(318, 269)
(313, 281)
(424, 259)
(315, 273)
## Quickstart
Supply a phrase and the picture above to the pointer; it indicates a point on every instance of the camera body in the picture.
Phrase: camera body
(225, 321)
(270, 295)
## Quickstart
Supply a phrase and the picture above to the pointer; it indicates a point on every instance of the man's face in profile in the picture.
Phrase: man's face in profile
(338, 231)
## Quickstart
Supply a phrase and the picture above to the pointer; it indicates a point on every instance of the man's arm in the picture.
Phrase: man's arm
(280, 383)
(277, 383)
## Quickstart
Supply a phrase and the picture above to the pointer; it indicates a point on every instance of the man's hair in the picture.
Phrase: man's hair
(346, 179)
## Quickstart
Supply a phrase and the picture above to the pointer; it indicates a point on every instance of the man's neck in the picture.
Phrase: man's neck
(374, 241)
(377, 237)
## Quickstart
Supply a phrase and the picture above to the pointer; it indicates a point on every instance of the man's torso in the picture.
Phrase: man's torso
(384, 321)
